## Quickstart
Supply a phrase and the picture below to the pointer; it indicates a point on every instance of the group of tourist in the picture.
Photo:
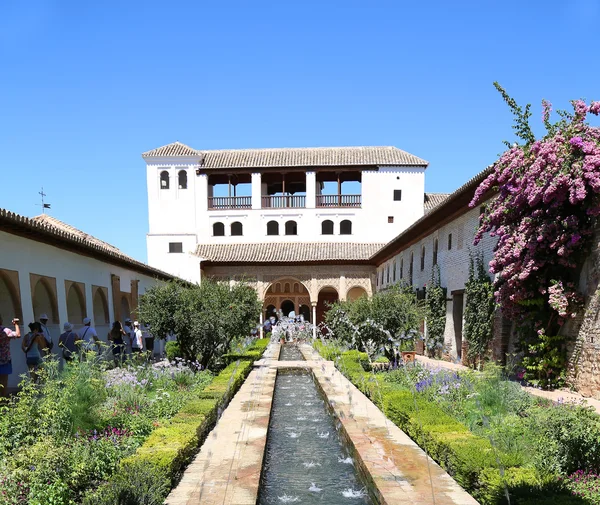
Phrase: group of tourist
(129, 338)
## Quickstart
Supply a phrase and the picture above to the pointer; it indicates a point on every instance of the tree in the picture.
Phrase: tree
(436, 313)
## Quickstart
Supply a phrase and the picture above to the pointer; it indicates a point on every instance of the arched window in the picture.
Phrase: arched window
(435, 251)
(164, 180)
(272, 228)
(237, 229)
(218, 230)
(327, 227)
(182, 176)
(422, 258)
(346, 227)
(291, 228)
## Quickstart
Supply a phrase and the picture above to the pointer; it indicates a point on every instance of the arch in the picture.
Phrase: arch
(287, 306)
(355, 293)
(164, 180)
(296, 287)
(286, 287)
(125, 313)
(271, 310)
(75, 304)
(346, 227)
(237, 229)
(327, 227)
(291, 228)
(272, 228)
(328, 295)
(44, 300)
(100, 305)
(304, 311)
(218, 229)
(9, 299)
(182, 179)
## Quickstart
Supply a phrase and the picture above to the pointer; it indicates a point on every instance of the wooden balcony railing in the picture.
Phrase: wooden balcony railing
(229, 202)
(283, 202)
(338, 200)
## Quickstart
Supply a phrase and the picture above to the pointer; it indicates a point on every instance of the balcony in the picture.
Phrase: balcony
(229, 202)
(336, 201)
(284, 202)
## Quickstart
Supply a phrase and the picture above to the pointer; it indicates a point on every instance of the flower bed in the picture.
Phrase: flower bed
(486, 432)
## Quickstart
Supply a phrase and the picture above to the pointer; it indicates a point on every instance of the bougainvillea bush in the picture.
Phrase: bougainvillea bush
(548, 197)
(68, 433)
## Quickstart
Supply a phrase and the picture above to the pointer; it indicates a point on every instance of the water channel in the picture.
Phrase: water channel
(305, 461)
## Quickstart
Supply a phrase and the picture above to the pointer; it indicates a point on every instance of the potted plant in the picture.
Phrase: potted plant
(407, 349)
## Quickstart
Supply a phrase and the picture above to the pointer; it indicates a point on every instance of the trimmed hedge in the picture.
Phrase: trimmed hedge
(470, 459)
(170, 447)
(252, 353)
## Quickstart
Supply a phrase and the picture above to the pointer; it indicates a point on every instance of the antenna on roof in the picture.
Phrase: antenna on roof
(43, 204)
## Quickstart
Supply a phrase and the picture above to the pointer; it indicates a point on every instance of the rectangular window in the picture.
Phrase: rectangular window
(449, 241)
(175, 247)
(397, 195)
(390, 219)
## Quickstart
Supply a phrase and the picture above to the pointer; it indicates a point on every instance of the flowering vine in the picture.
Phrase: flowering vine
(548, 195)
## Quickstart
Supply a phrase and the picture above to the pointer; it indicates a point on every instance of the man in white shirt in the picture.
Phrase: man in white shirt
(136, 338)
(46, 331)
(88, 335)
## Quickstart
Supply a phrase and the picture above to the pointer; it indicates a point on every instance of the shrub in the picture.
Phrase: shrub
(585, 485)
(172, 350)
(253, 353)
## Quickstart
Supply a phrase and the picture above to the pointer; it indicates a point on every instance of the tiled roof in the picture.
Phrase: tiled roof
(174, 149)
(434, 199)
(286, 252)
(50, 230)
(293, 157)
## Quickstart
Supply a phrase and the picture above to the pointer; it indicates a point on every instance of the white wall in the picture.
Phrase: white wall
(28, 256)
(454, 263)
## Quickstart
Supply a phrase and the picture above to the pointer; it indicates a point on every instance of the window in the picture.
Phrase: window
(410, 269)
(382, 276)
(422, 258)
(390, 219)
(164, 180)
(394, 274)
(218, 230)
(346, 227)
(377, 280)
(237, 229)
(435, 251)
(272, 228)
(387, 274)
(449, 241)
(327, 227)
(175, 247)
(291, 228)
(401, 268)
(182, 178)
(397, 195)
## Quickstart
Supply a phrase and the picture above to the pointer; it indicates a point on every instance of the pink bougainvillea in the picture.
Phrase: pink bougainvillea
(548, 192)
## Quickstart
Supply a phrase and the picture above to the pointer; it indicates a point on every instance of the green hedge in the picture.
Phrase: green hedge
(252, 353)
(170, 447)
(470, 459)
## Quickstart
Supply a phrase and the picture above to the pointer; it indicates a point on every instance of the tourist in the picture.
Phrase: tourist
(88, 335)
(267, 326)
(148, 339)
(68, 342)
(5, 362)
(46, 331)
(136, 338)
(115, 335)
(129, 332)
(32, 346)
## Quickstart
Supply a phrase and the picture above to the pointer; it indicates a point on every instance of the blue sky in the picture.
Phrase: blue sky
(86, 87)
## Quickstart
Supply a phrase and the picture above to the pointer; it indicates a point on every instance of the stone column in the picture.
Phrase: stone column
(314, 319)
(261, 324)
(256, 191)
(342, 292)
(311, 190)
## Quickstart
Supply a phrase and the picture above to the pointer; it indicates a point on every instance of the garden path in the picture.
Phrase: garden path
(559, 395)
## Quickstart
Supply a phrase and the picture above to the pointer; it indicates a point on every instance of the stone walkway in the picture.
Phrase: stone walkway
(227, 469)
(559, 395)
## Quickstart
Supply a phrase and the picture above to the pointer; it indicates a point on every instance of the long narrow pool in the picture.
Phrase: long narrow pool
(305, 461)
(290, 352)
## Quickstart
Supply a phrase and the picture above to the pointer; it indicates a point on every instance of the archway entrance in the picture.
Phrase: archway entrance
(285, 295)
(355, 293)
(327, 296)
(124, 309)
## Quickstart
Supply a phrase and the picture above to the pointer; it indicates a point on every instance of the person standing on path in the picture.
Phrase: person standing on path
(32, 346)
(136, 338)
(115, 335)
(67, 341)
(89, 336)
(5, 362)
(46, 331)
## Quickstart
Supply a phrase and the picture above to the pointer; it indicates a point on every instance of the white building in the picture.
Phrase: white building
(261, 196)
